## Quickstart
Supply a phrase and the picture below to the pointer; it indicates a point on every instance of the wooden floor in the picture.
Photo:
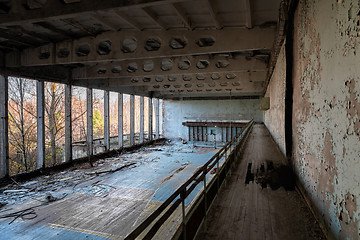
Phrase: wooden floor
(249, 211)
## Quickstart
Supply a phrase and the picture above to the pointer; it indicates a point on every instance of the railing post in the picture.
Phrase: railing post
(205, 199)
(183, 196)
(132, 119)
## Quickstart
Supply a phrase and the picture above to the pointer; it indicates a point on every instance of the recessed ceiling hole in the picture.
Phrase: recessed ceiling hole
(172, 91)
(166, 65)
(178, 42)
(132, 67)
(205, 42)
(218, 90)
(189, 90)
(222, 64)
(230, 76)
(199, 90)
(159, 78)
(208, 90)
(211, 84)
(187, 77)
(129, 45)
(156, 86)
(148, 66)
(215, 76)
(187, 85)
(180, 90)
(223, 84)
(116, 69)
(177, 86)
(104, 47)
(152, 44)
(166, 86)
(147, 79)
(239, 89)
(135, 80)
(172, 78)
(236, 84)
(184, 64)
(83, 50)
(200, 76)
(101, 71)
(200, 85)
(63, 52)
(44, 54)
(202, 64)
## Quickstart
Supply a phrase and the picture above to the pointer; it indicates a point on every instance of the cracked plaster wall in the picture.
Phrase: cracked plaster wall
(274, 118)
(326, 113)
(177, 112)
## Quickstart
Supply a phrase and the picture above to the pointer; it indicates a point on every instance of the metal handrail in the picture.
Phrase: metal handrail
(185, 189)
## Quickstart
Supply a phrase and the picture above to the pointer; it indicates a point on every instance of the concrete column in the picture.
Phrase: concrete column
(89, 120)
(68, 127)
(141, 119)
(106, 120)
(120, 121)
(150, 119)
(4, 141)
(40, 113)
(132, 119)
(157, 119)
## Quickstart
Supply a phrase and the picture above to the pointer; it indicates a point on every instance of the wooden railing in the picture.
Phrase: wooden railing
(195, 216)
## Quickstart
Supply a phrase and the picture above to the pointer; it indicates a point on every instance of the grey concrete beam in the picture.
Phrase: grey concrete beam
(68, 125)
(4, 141)
(225, 41)
(199, 64)
(182, 14)
(141, 119)
(107, 120)
(248, 14)
(213, 10)
(120, 121)
(55, 9)
(150, 119)
(89, 120)
(157, 118)
(155, 18)
(104, 21)
(128, 20)
(132, 119)
(40, 115)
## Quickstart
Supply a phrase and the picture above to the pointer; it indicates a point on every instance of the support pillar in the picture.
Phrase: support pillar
(120, 121)
(40, 113)
(68, 126)
(89, 120)
(106, 120)
(150, 119)
(157, 119)
(141, 119)
(132, 119)
(4, 143)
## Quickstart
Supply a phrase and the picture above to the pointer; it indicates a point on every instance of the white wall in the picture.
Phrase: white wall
(177, 112)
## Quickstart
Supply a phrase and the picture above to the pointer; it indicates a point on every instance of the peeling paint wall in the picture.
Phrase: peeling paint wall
(177, 112)
(326, 113)
(274, 118)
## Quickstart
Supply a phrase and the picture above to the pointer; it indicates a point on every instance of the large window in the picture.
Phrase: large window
(22, 125)
(79, 124)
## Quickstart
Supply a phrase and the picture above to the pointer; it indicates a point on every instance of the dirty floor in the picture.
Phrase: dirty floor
(103, 202)
(259, 200)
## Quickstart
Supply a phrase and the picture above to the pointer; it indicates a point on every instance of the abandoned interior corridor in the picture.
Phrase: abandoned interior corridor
(179, 119)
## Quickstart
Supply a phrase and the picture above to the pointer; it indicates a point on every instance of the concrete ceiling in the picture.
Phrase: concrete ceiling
(161, 48)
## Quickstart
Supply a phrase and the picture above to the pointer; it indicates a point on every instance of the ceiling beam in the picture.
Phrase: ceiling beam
(104, 21)
(128, 20)
(181, 13)
(213, 10)
(55, 9)
(76, 24)
(248, 14)
(111, 70)
(236, 41)
(150, 13)
(53, 29)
